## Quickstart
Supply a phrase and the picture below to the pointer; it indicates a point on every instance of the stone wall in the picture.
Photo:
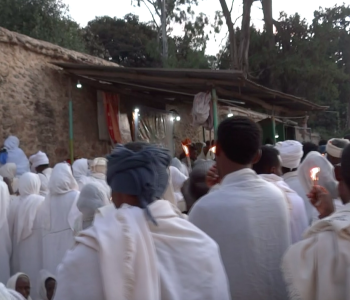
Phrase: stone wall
(34, 99)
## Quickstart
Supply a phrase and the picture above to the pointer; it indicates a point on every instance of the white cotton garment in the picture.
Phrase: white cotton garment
(333, 150)
(292, 179)
(45, 179)
(298, 218)
(248, 218)
(80, 172)
(25, 235)
(124, 256)
(98, 174)
(16, 155)
(43, 276)
(58, 214)
(9, 171)
(291, 153)
(8, 294)
(317, 268)
(11, 284)
(326, 178)
(177, 181)
(5, 239)
(39, 159)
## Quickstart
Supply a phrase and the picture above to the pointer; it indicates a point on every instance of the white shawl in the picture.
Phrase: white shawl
(138, 260)
(11, 283)
(80, 171)
(8, 294)
(43, 276)
(317, 268)
(45, 179)
(5, 240)
(298, 217)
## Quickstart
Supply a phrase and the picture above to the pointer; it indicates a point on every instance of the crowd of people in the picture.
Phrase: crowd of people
(245, 221)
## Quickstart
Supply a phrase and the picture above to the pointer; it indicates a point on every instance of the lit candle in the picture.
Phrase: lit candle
(213, 149)
(314, 174)
(187, 152)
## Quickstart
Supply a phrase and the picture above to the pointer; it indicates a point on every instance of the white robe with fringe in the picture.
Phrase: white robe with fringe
(125, 256)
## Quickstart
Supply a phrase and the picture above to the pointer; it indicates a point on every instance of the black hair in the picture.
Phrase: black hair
(322, 142)
(345, 166)
(239, 138)
(268, 141)
(347, 137)
(269, 158)
(307, 148)
(48, 279)
(340, 143)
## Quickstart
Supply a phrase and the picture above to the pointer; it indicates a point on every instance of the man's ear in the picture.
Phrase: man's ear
(257, 157)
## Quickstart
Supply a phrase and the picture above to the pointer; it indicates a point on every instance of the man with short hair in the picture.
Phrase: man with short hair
(307, 148)
(246, 215)
(144, 249)
(318, 266)
(269, 168)
(334, 150)
(40, 163)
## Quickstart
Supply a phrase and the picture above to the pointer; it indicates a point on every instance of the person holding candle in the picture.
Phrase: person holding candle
(319, 266)
(246, 215)
(269, 168)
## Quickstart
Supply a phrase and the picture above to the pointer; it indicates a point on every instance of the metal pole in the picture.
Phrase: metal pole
(136, 121)
(273, 130)
(71, 138)
(215, 112)
(164, 35)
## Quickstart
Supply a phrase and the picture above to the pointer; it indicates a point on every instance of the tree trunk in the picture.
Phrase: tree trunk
(245, 38)
(232, 36)
(164, 34)
(267, 9)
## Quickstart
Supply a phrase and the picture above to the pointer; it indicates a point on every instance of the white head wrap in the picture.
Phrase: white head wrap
(291, 153)
(11, 283)
(334, 150)
(8, 170)
(325, 177)
(43, 276)
(99, 165)
(39, 159)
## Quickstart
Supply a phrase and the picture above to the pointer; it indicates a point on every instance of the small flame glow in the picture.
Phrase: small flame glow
(314, 173)
(213, 149)
(187, 152)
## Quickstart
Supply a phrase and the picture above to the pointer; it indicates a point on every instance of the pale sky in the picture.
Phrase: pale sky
(82, 11)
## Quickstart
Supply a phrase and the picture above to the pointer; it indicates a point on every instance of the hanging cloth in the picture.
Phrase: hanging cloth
(202, 111)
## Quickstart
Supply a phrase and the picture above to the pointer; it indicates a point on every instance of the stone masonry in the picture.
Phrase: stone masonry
(34, 97)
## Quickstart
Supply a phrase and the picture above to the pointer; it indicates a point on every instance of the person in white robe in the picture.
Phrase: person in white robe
(175, 162)
(206, 153)
(246, 215)
(25, 233)
(98, 174)
(91, 198)
(47, 285)
(325, 178)
(40, 162)
(8, 171)
(5, 239)
(16, 155)
(58, 214)
(177, 180)
(317, 268)
(143, 249)
(9, 294)
(20, 283)
(269, 168)
(80, 172)
(291, 153)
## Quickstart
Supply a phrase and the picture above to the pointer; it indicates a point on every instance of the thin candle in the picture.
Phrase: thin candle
(314, 172)
(187, 152)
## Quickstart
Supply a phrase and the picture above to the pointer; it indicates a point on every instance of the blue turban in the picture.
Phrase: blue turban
(143, 174)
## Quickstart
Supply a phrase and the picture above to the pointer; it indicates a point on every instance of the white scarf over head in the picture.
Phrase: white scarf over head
(326, 176)
(80, 171)
(9, 171)
(39, 159)
(16, 155)
(291, 153)
(43, 276)
(11, 283)
(99, 168)
(334, 150)
(318, 267)
(61, 182)
(29, 202)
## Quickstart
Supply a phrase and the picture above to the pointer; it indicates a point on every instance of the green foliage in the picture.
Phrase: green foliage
(46, 20)
(311, 61)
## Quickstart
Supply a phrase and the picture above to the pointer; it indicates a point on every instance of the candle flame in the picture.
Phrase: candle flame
(314, 173)
(187, 152)
(213, 149)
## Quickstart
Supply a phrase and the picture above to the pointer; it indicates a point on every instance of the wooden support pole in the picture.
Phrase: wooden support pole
(215, 112)
(71, 136)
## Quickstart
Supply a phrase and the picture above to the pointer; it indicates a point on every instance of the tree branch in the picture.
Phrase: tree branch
(232, 6)
(154, 20)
